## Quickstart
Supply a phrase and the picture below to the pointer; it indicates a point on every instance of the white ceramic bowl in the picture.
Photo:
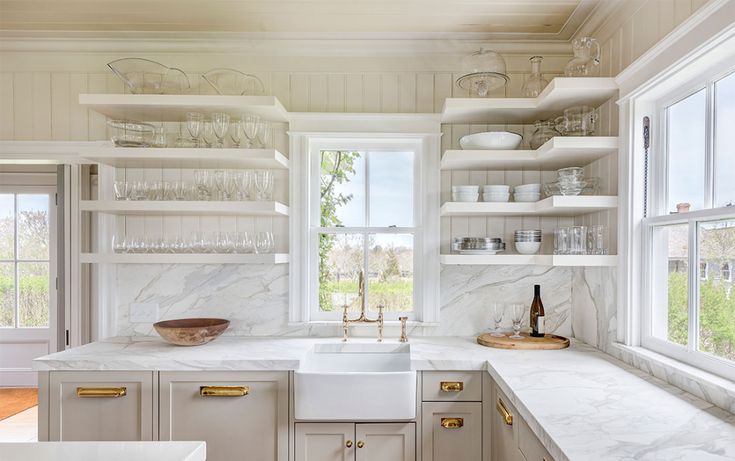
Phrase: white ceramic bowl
(527, 188)
(491, 140)
(495, 197)
(465, 197)
(527, 197)
(466, 189)
(496, 188)
(528, 248)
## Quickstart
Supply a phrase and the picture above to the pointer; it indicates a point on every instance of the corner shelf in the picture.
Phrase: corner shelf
(561, 93)
(130, 157)
(174, 107)
(536, 260)
(184, 207)
(167, 258)
(558, 152)
(552, 206)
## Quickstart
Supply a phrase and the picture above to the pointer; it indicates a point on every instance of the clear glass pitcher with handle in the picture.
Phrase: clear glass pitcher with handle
(586, 61)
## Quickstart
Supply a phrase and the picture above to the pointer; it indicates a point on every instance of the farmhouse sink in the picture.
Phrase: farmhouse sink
(354, 382)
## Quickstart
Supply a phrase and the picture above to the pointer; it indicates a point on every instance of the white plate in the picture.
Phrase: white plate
(491, 140)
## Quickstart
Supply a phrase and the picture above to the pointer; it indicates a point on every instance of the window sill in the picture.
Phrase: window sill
(712, 388)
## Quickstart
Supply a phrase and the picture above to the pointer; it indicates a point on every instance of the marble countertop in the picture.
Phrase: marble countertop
(108, 451)
(582, 404)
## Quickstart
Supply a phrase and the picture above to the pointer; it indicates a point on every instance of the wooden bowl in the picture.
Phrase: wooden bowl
(191, 332)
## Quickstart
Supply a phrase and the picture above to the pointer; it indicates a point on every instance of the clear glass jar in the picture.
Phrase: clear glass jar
(535, 83)
(545, 130)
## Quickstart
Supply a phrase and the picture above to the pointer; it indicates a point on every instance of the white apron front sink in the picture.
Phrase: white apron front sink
(356, 382)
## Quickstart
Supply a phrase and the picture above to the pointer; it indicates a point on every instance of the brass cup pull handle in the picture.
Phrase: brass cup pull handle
(348, 444)
(102, 392)
(360, 444)
(452, 386)
(500, 406)
(452, 423)
(223, 391)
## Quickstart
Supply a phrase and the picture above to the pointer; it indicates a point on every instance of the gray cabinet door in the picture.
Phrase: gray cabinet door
(385, 442)
(101, 405)
(504, 433)
(325, 442)
(241, 415)
(451, 431)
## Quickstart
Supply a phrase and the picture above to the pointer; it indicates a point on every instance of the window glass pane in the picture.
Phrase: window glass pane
(342, 188)
(7, 294)
(670, 283)
(33, 294)
(390, 281)
(341, 258)
(33, 226)
(686, 151)
(7, 226)
(716, 295)
(391, 189)
(724, 146)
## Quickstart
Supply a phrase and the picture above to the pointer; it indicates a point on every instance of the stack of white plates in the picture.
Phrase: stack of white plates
(465, 193)
(477, 245)
(495, 193)
(528, 241)
(527, 193)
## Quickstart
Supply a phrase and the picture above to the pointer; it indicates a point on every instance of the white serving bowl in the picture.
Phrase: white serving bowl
(495, 197)
(527, 197)
(465, 197)
(496, 188)
(527, 188)
(466, 189)
(528, 248)
(491, 140)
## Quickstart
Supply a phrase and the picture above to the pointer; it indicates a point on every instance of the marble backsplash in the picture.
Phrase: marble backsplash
(255, 298)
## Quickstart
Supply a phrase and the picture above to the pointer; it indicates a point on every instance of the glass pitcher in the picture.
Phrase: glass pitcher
(586, 61)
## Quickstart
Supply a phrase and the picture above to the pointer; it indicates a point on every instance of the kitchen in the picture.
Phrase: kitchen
(354, 212)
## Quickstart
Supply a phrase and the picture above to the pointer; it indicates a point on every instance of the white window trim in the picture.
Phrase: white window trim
(698, 47)
(419, 132)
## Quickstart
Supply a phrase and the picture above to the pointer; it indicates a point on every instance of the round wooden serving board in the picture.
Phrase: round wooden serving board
(548, 342)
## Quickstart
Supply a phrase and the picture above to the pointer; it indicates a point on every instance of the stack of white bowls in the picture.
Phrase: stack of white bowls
(495, 193)
(528, 241)
(527, 193)
(465, 193)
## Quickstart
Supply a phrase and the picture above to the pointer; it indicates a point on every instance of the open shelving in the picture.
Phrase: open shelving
(184, 207)
(131, 157)
(558, 152)
(174, 107)
(185, 258)
(536, 260)
(561, 93)
(552, 206)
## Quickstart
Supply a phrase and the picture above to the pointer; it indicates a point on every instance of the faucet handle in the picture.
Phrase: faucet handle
(404, 336)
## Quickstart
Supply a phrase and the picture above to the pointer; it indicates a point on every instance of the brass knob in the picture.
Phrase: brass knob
(452, 386)
(360, 444)
(348, 444)
(97, 392)
(452, 423)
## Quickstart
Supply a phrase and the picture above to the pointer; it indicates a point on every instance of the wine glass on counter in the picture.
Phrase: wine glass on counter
(498, 310)
(518, 310)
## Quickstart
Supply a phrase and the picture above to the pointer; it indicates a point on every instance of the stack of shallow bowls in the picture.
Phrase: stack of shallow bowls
(571, 181)
(477, 245)
(465, 193)
(527, 193)
(495, 193)
(528, 241)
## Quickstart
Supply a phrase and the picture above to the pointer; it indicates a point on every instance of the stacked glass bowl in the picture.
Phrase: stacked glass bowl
(477, 245)
(528, 241)
(571, 181)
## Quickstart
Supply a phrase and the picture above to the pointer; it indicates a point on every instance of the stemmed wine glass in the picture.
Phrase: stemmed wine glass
(250, 127)
(518, 310)
(203, 181)
(225, 182)
(264, 184)
(237, 131)
(264, 242)
(498, 310)
(244, 182)
(194, 126)
(221, 124)
(264, 133)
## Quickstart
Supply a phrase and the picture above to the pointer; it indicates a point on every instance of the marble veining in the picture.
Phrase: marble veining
(582, 404)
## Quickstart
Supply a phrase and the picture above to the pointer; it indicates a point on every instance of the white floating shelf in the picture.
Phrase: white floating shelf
(536, 260)
(174, 107)
(166, 258)
(561, 93)
(129, 157)
(558, 152)
(170, 207)
(552, 206)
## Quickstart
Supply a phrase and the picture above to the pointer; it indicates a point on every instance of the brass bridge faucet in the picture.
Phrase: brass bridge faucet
(346, 321)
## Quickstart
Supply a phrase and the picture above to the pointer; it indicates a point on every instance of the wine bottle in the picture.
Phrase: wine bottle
(537, 313)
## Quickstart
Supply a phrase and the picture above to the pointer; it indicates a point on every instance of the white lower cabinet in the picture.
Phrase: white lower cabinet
(512, 439)
(241, 415)
(99, 406)
(355, 442)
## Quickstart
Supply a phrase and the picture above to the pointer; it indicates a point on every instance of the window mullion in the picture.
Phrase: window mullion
(366, 234)
(709, 155)
(693, 289)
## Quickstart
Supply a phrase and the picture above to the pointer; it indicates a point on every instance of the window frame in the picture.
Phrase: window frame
(314, 210)
(660, 217)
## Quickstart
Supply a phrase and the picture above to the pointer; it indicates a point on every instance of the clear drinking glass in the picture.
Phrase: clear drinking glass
(264, 242)
(561, 241)
(159, 136)
(264, 184)
(208, 136)
(122, 190)
(220, 124)
(498, 310)
(243, 243)
(250, 128)
(597, 240)
(517, 311)
(244, 181)
(224, 181)
(118, 244)
(203, 181)
(578, 240)
(237, 131)
(194, 126)
(264, 133)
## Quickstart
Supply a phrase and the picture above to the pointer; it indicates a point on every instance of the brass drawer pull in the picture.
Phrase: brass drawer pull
(452, 386)
(452, 423)
(348, 444)
(223, 391)
(360, 444)
(108, 392)
(500, 406)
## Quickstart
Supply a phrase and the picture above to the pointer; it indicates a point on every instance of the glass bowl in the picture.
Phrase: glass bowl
(233, 82)
(143, 76)
(131, 133)
(585, 186)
